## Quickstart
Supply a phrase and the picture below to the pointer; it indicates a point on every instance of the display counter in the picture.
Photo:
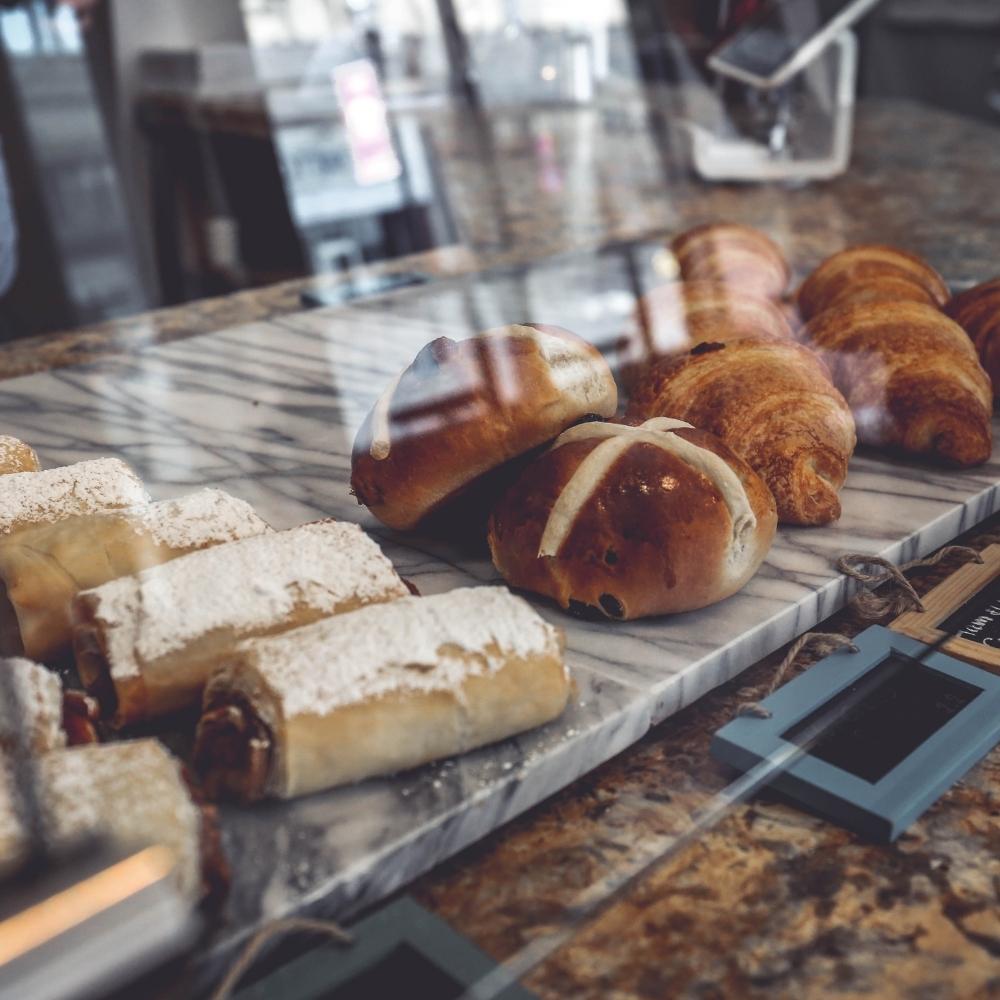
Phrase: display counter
(257, 394)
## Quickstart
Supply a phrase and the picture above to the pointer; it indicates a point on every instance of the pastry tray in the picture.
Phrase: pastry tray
(268, 411)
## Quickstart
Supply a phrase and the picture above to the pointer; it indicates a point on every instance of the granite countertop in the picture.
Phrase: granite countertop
(770, 902)
(919, 178)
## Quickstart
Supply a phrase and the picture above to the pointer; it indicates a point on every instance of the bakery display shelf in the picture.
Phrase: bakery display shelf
(268, 412)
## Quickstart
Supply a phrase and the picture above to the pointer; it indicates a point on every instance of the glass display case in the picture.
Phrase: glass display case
(424, 427)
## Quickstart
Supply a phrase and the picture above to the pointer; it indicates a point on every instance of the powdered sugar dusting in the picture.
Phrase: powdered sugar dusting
(69, 491)
(134, 792)
(33, 723)
(418, 643)
(16, 456)
(248, 587)
(207, 517)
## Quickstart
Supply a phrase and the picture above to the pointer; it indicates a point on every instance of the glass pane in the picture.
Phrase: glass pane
(240, 241)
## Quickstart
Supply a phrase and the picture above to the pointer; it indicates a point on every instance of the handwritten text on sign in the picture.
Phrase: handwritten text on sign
(978, 619)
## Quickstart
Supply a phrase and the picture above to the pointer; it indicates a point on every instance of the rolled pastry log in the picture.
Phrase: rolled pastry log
(133, 792)
(377, 691)
(43, 568)
(28, 498)
(146, 644)
(16, 456)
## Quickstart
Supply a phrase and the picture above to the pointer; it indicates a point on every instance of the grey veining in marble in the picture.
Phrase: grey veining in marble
(340, 850)
(268, 411)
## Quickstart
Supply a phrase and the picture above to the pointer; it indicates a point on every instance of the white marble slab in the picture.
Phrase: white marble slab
(268, 411)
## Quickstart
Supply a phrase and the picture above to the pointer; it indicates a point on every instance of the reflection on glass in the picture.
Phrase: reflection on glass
(549, 51)
(64, 181)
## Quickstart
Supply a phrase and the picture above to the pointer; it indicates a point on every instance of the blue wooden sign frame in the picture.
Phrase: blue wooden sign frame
(330, 970)
(883, 809)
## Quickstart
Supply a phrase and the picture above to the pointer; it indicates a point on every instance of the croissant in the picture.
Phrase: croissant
(738, 256)
(871, 273)
(911, 376)
(977, 311)
(773, 403)
(676, 317)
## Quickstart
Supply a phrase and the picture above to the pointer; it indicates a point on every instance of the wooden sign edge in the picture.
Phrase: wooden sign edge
(949, 595)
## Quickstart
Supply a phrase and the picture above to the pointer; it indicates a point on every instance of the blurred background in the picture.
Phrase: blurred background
(172, 150)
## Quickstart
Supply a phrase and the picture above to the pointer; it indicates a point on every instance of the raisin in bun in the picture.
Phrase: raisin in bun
(465, 409)
(630, 521)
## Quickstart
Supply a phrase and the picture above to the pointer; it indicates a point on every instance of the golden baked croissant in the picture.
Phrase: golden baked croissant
(673, 318)
(676, 317)
(737, 256)
(977, 311)
(911, 376)
(773, 403)
(871, 273)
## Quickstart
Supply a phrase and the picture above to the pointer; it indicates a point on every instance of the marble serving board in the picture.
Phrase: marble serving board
(268, 411)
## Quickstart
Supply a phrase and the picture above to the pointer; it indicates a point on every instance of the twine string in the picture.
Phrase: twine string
(819, 643)
(973, 555)
(871, 572)
(265, 936)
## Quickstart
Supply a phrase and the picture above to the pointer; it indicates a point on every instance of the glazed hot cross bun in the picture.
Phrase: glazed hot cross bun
(627, 521)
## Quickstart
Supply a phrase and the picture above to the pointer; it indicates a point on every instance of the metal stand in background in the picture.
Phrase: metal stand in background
(807, 125)
(459, 60)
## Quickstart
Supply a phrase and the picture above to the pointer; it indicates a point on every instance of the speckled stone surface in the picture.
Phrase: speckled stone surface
(163, 326)
(269, 410)
(918, 179)
(771, 902)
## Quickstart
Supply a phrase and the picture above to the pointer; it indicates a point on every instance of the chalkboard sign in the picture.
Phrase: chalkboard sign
(909, 702)
(962, 614)
(870, 739)
(978, 620)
